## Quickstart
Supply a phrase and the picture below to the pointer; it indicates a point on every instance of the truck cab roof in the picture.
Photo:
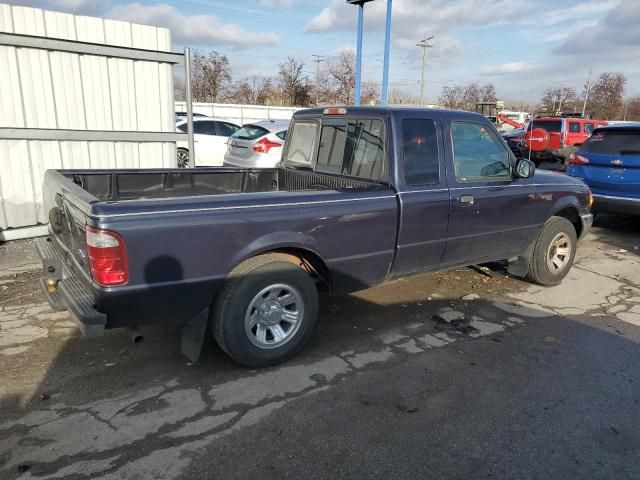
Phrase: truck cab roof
(392, 111)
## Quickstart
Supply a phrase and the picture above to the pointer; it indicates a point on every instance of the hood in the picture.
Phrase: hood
(546, 177)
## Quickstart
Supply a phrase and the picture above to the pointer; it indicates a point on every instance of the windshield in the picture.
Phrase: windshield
(548, 125)
(613, 142)
(250, 132)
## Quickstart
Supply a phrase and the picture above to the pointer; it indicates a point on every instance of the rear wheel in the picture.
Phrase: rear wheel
(553, 252)
(182, 157)
(266, 311)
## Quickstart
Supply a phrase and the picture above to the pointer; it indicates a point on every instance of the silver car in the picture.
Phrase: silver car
(257, 145)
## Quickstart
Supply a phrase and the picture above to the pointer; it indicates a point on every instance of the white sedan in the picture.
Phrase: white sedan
(210, 141)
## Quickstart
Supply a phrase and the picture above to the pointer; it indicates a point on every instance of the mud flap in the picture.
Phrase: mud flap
(519, 267)
(193, 334)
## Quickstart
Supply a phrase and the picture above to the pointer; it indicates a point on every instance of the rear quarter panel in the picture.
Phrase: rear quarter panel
(181, 251)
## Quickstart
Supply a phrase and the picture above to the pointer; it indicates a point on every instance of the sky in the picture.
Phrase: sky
(522, 47)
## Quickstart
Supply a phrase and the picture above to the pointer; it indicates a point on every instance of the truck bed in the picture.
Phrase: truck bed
(112, 185)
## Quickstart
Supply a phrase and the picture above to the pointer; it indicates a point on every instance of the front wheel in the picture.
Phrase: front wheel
(553, 252)
(266, 311)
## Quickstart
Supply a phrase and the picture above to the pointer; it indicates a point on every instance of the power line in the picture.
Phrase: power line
(424, 44)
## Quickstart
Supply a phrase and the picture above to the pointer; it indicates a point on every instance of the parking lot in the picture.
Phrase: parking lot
(465, 374)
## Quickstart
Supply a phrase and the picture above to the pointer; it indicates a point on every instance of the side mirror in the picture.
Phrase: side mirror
(525, 168)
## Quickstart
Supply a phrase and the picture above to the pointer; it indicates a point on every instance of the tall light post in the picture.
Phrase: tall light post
(357, 89)
(385, 68)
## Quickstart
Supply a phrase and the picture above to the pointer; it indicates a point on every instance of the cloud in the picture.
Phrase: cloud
(277, 3)
(414, 16)
(192, 29)
(616, 36)
(506, 69)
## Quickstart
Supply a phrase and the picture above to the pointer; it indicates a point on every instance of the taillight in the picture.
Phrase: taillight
(264, 145)
(107, 254)
(575, 159)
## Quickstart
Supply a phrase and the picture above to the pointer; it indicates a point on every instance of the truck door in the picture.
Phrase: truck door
(491, 210)
(422, 194)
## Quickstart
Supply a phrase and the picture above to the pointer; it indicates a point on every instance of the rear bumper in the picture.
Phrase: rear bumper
(71, 293)
(615, 204)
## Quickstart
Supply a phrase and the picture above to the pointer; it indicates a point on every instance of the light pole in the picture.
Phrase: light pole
(385, 67)
(357, 90)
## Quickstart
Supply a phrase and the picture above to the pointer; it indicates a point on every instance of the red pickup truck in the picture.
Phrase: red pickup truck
(554, 138)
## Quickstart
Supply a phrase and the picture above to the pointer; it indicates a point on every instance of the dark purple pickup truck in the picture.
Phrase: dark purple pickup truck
(362, 195)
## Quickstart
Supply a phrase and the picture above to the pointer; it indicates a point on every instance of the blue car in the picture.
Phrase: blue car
(609, 163)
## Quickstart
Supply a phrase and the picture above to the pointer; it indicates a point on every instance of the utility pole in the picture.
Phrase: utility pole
(626, 105)
(318, 59)
(586, 95)
(424, 45)
(560, 104)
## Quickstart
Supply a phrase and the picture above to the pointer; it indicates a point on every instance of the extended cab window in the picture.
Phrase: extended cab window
(420, 150)
(478, 153)
(352, 147)
(303, 139)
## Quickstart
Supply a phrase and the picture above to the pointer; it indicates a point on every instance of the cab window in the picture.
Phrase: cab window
(588, 127)
(574, 127)
(478, 153)
(420, 151)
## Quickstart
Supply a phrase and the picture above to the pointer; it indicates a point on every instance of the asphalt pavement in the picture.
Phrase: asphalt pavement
(464, 374)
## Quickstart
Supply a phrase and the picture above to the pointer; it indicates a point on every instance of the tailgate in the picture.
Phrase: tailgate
(67, 205)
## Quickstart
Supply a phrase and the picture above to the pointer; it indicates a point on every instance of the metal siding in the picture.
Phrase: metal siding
(50, 89)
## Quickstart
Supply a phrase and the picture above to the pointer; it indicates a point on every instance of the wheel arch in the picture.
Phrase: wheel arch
(571, 213)
(292, 247)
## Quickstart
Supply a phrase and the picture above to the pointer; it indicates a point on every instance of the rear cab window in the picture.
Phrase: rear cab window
(346, 146)
(302, 143)
(352, 147)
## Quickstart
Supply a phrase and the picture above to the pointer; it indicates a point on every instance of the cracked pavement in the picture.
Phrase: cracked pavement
(465, 374)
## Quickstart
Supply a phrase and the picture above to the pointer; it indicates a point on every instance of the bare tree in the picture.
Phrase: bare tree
(606, 98)
(253, 91)
(293, 84)
(343, 75)
(211, 74)
(465, 97)
(401, 97)
(557, 98)
(179, 91)
(632, 106)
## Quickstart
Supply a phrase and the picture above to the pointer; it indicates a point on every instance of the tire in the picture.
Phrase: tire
(547, 265)
(248, 317)
(183, 159)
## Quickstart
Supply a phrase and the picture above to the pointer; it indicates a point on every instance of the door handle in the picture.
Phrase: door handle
(466, 199)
